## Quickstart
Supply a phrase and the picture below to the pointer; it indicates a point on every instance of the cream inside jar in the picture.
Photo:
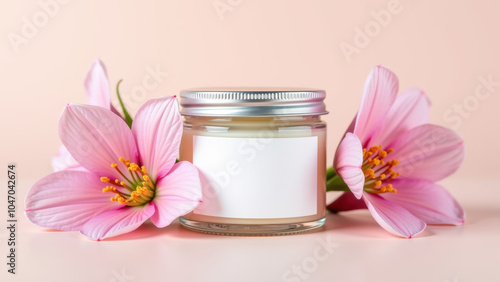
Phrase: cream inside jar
(261, 156)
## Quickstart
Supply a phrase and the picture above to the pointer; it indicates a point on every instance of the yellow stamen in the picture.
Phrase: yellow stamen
(136, 188)
(389, 188)
(109, 189)
(377, 171)
(369, 173)
(135, 195)
(382, 154)
(133, 167)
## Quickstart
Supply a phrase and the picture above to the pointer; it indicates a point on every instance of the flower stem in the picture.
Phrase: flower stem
(128, 118)
(330, 173)
(334, 182)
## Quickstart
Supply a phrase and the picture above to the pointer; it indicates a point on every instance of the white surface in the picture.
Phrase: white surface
(257, 177)
(361, 250)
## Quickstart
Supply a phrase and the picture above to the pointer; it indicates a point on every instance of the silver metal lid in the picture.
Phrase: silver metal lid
(230, 102)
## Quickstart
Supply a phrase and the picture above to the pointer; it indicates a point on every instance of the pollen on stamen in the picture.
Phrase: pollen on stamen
(133, 167)
(377, 171)
(125, 162)
(116, 198)
(369, 173)
(382, 154)
(135, 195)
(109, 189)
(136, 192)
(391, 189)
(394, 175)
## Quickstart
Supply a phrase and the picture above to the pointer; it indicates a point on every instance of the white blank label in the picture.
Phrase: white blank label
(257, 177)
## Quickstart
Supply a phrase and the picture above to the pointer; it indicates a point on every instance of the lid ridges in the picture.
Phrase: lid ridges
(252, 102)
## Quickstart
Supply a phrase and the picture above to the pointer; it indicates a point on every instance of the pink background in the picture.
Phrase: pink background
(447, 48)
(440, 47)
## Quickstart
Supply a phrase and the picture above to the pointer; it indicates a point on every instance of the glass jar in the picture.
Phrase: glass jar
(261, 156)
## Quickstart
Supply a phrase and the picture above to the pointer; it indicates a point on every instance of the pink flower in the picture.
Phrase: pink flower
(390, 158)
(98, 93)
(130, 174)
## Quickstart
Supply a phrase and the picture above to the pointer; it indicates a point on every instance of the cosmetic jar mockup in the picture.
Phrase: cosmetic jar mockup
(261, 156)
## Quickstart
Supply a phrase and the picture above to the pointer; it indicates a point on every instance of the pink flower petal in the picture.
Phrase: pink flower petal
(411, 109)
(117, 222)
(66, 200)
(393, 218)
(97, 86)
(427, 200)
(63, 160)
(379, 93)
(351, 126)
(346, 202)
(158, 130)
(96, 138)
(177, 194)
(428, 152)
(348, 161)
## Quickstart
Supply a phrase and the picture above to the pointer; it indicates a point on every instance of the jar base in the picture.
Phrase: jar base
(251, 229)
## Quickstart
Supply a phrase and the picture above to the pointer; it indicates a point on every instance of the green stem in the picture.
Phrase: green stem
(128, 118)
(336, 183)
(330, 173)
